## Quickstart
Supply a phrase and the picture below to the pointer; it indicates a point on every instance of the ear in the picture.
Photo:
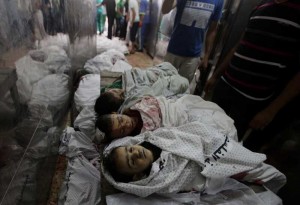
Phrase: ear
(138, 176)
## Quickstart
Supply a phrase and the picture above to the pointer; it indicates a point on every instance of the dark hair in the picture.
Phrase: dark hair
(104, 124)
(109, 163)
(107, 103)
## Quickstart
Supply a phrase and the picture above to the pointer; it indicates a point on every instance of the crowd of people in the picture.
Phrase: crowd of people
(125, 20)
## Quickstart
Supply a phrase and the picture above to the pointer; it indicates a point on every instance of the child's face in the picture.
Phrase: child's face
(122, 125)
(132, 160)
(117, 93)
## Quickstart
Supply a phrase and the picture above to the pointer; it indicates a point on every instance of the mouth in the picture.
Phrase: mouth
(144, 154)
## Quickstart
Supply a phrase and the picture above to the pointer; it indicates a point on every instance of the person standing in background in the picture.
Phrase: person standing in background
(142, 26)
(134, 20)
(119, 17)
(123, 31)
(195, 21)
(101, 16)
(259, 81)
(47, 16)
(111, 14)
(38, 24)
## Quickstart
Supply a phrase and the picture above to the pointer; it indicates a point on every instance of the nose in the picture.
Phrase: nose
(135, 154)
(128, 124)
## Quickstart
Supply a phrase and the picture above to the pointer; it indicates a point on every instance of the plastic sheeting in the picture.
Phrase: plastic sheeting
(38, 64)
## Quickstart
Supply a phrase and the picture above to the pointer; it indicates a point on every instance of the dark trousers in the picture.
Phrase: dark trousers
(242, 110)
(110, 19)
(119, 22)
(133, 31)
(123, 29)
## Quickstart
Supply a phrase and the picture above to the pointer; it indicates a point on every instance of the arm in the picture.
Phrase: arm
(221, 68)
(167, 6)
(264, 117)
(217, 74)
(209, 41)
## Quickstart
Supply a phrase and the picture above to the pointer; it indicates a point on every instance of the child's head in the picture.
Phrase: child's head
(128, 163)
(109, 101)
(116, 125)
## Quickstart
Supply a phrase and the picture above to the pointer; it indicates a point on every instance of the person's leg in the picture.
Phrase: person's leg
(111, 20)
(139, 34)
(118, 28)
(133, 31)
(103, 19)
(127, 38)
(123, 28)
(171, 58)
(143, 34)
(98, 22)
(188, 67)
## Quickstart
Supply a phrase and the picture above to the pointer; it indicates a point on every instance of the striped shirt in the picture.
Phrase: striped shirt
(268, 55)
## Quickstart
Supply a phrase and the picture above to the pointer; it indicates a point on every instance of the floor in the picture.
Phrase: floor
(140, 60)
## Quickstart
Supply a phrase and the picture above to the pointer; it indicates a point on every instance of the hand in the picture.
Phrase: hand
(262, 119)
(203, 63)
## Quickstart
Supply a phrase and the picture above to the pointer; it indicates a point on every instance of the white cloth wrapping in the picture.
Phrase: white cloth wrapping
(74, 143)
(52, 91)
(85, 122)
(189, 108)
(233, 193)
(88, 91)
(57, 60)
(162, 79)
(29, 72)
(36, 65)
(104, 61)
(191, 151)
(82, 183)
(139, 77)
(105, 44)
